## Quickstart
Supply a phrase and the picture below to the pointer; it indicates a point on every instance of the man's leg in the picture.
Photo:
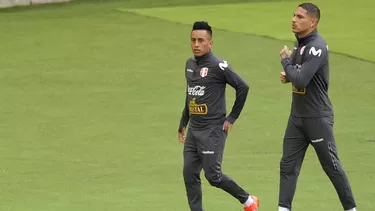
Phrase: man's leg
(211, 144)
(320, 133)
(294, 148)
(191, 172)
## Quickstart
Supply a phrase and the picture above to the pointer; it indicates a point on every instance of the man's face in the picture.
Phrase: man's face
(201, 42)
(302, 22)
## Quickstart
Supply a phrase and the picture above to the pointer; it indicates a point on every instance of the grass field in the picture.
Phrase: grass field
(92, 92)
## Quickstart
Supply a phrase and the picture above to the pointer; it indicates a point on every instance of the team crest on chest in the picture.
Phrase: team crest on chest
(204, 72)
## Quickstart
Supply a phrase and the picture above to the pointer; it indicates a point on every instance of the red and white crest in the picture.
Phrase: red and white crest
(204, 72)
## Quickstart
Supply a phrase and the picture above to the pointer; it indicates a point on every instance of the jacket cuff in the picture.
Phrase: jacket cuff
(231, 119)
(180, 128)
(285, 62)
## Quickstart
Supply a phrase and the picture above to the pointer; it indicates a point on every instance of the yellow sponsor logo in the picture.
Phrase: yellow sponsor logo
(195, 108)
(299, 91)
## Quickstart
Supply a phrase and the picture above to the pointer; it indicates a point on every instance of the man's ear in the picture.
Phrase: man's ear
(314, 22)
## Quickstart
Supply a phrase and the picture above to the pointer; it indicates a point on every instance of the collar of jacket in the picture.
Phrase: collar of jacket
(307, 38)
(203, 57)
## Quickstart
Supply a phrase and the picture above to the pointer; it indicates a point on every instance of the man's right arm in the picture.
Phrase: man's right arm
(185, 116)
(283, 78)
(311, 63)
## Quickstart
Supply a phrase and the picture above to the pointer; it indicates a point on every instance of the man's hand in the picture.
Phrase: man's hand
(285, 53)
(181, 135)
(283, 78)
(227, 127)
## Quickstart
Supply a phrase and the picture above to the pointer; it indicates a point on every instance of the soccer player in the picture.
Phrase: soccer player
(205, 111)
(311, 118)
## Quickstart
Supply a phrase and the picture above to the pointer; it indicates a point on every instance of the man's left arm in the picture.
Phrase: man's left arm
(313, 59)
(241, 87)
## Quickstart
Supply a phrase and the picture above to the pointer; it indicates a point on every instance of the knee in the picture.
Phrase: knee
(288, 167)
(332, 168)
(331, 165)
(214, 178)
(190, 173)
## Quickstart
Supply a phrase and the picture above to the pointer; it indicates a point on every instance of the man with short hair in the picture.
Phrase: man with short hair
(311, 119)
(205, 111)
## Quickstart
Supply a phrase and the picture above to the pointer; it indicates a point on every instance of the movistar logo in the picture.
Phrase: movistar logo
(315, 52)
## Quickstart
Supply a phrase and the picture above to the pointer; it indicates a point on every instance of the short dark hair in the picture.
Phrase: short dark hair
(202, 25)
(311, 9)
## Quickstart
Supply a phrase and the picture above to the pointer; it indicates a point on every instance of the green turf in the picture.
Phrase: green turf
(343, 24)
(91, 99)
